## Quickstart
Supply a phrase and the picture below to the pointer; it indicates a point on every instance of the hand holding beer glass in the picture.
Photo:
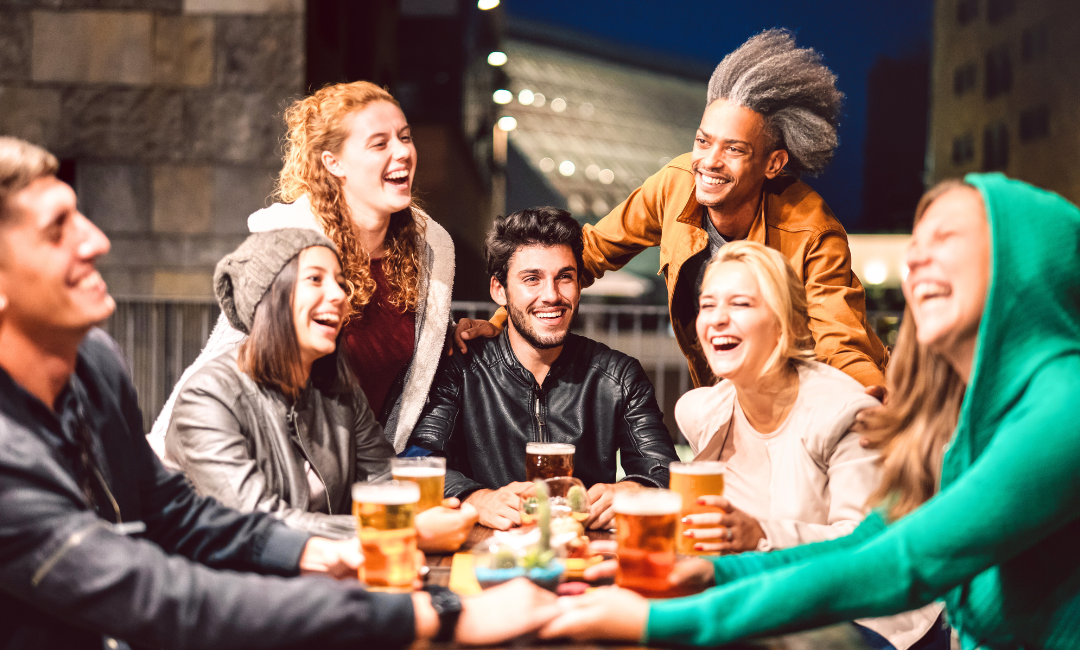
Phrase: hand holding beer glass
(694, 481)
(385, 518)
(647, 522)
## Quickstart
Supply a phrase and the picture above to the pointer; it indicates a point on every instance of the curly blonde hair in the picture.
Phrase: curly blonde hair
(316, 124)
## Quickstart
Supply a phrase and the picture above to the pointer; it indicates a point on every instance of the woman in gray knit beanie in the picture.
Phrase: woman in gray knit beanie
(279, 424)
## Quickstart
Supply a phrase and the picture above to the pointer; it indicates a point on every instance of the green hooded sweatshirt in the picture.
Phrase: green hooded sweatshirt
(1000, 543)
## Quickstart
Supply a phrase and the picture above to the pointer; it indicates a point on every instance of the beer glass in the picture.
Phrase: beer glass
(647, 521)
(544, 460)
(429, 472)
(693, 480)
(384, 518)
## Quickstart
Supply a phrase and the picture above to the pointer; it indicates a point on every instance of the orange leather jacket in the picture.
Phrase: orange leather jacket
(793, 219)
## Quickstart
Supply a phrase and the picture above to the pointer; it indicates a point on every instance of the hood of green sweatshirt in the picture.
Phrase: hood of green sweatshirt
(1032, 312)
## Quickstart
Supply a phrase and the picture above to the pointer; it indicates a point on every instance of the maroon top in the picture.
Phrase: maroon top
(380, 343)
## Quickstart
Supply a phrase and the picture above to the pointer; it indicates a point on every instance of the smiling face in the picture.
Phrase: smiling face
(948, 263)
(731, 158)
(48, 255)
(319, 303)
(735, 326)
(377, 161)
(541, 295)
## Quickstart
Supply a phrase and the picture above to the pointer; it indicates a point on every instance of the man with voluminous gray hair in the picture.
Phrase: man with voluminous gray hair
(771, 116)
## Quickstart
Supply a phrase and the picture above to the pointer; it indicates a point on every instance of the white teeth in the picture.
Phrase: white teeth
(548, 314)
(724, 340)
(330, 320)
(714, 181)
(926, 290)
(393, 176)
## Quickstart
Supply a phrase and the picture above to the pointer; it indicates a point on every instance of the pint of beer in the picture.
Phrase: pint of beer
(429, 472)
(544, 460)
(647, 521)
(384, 518)
(693, 480)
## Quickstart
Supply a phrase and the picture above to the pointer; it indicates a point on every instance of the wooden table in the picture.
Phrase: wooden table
(836, 637)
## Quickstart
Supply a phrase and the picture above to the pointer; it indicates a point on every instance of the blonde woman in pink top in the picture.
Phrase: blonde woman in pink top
(779, 420)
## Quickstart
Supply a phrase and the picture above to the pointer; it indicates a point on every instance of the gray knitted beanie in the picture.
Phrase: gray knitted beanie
(243, 276)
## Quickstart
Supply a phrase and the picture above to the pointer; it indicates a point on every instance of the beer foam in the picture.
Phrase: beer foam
(552, 448)
(390, 493)
(646, 502)
(419, 472)
(698, 468)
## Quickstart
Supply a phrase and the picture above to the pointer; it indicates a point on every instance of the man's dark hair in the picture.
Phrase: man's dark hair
(545, 226)
(21, 163)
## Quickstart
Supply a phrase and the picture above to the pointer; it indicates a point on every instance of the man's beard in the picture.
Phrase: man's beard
(521, 324)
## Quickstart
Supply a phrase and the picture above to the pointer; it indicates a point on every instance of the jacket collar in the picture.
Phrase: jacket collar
(513, 364)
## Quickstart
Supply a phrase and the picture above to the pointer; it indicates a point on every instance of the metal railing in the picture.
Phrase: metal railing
(162, 337)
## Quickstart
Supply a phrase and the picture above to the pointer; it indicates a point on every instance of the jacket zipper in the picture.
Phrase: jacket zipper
(307, 456)
(538, 410)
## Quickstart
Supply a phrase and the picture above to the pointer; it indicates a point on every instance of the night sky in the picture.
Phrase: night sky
(851, 34)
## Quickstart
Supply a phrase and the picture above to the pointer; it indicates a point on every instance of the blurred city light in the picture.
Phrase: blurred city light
(566, 168)
(538, 99)
(507, 123)
(875, 272)
(484, 5)
(547, 164)
(497, 58)
(558, 104)
(607, 176)
(526, 97)
(502, 96)
(600, 206)
(592, 172)
(587, 109)
(665, 160)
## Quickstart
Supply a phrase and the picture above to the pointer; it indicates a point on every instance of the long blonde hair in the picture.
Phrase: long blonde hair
(920, 415)
(784, 295)
(316, 124)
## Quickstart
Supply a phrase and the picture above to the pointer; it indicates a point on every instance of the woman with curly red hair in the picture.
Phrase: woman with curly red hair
(349, 168)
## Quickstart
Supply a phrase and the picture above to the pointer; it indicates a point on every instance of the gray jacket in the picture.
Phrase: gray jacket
(246, 446)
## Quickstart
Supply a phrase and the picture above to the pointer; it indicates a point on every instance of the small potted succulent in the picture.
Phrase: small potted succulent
(524, 553)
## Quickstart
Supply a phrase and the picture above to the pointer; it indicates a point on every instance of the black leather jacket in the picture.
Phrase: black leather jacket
(485, 406)
(69, 575)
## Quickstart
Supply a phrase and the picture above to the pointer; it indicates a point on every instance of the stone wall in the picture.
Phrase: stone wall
(166, 114)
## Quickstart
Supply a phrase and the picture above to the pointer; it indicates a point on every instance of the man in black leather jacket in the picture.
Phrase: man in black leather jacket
(538, 382)
(100, 545)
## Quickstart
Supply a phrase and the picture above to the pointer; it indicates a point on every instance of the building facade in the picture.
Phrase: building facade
(1005, 92)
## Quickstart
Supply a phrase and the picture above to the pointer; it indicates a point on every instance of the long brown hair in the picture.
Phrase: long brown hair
(271, 354)
(921, 413)
(317, 124)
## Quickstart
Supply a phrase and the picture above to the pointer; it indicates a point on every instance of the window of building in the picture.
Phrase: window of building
(1035, 43)
(964, 78)
(998, 72)
(1035, 123)
(998, 10)
(967, 11)
(963, 149)
(995, 148)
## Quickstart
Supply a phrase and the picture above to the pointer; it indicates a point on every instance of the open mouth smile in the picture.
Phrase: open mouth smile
(327, 323)
(927, 290)
(724, 343)
(550, 315)
(713, 180)
(399, 177)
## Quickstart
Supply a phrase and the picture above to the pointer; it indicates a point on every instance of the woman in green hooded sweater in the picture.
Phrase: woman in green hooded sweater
(994, 292)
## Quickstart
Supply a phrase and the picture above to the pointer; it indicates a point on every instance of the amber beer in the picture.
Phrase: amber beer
(428, 472)
(693, 480)
(544, 460)
(384, 517)
(647, 521)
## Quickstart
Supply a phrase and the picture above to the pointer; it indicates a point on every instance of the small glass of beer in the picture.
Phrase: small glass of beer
(544, 460)
(647, 521)
(429, 472)
(693, 480)
(385, 519)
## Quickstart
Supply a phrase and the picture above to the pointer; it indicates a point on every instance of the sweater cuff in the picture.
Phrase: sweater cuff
(673, 621)
(280, 553)
(394, 620)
